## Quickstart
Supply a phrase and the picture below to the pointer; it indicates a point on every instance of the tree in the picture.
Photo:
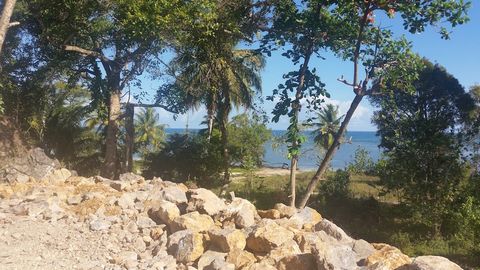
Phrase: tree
(149, 136)
(327, 125)
(5, 23)
(423, 134)
(220, 75)
(305, 28)
(112, 42)
(247, 134)
(387, 61)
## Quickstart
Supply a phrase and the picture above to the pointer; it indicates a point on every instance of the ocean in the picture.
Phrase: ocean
(309, 159)
(310, 154)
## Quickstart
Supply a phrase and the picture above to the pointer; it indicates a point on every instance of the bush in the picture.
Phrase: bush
(336, 185)
(362, 162)
(187, 157)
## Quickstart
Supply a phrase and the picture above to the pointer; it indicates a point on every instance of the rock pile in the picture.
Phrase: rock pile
(156, 224)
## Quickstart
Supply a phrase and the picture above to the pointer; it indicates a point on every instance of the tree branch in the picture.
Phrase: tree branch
(12, 24)
(85, 52)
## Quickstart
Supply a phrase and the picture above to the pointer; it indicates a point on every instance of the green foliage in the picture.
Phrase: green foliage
(326, 126)
(65, 134)
(149, 135)
(247, 136)
(336, 185)
(362, 162)
(422, 134)
(187, 157)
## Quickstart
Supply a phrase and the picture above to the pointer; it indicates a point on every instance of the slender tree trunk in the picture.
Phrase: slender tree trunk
(359, 94)
(331, 151)
(293, 180)
(225, 111)
(210, 125)
(109, 168)
(8, 7)
(129, 137)
(296, 106)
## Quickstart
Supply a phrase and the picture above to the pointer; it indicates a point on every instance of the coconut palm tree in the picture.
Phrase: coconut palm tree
(327, 126)
(149, 135)
(220, 81)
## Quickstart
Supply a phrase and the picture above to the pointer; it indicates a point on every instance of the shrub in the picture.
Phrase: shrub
(362, 162)
(336, 185)
(187, 157)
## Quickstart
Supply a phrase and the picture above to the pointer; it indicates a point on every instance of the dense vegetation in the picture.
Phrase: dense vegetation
(72, 73)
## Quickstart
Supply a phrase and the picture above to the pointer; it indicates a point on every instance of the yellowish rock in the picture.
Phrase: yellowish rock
(193, 221)
(186, 246)
(305, 261)
(267, 236)
(241, 258)
(271, 214)
(227, 239)
(386, 257)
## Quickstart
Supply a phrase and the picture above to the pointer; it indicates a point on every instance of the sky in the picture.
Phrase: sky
(460, 55)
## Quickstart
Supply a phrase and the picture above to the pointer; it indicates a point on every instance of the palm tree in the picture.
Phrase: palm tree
(149, 135)
(220, 80)
(327, 126)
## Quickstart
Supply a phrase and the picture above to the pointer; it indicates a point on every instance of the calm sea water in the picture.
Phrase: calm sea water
(310, 154)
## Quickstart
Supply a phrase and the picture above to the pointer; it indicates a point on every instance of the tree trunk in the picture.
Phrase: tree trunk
(225, 111)
(129, 136)
(8, 7)
(296, 106)
(210, 126)
(293, 180)
(110, 165)
(331, 151)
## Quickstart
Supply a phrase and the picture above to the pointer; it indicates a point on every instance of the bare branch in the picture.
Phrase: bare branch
(12, 24)
(85, 52)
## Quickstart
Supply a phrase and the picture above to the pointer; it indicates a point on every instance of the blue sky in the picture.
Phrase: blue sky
(460, 56)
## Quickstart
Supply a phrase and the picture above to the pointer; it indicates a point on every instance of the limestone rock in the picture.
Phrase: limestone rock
(127, 259)
(208, 257)
(431, 263)
(267, 236)
(205, 201)
(139, 245)
(172, 194)
(131, 178)
(271, 214)
(74, 200)
(332, 255)
(242, 212)
(285, 211)
(120, 185)
(193, 221)
(227, 239)
(186, 246)
(35, 163)
(58, 176)
(144, 222)
(241, 258)
(386, 257)
(333, 230)
(218, 264)
(306, 218)
(286, 249)
(164, 212)
(305, 261)
(261, 266)
(363, 249)
(126, 201)
(99, 225)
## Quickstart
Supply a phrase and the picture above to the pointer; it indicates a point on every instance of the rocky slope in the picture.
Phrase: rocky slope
(61, 221)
